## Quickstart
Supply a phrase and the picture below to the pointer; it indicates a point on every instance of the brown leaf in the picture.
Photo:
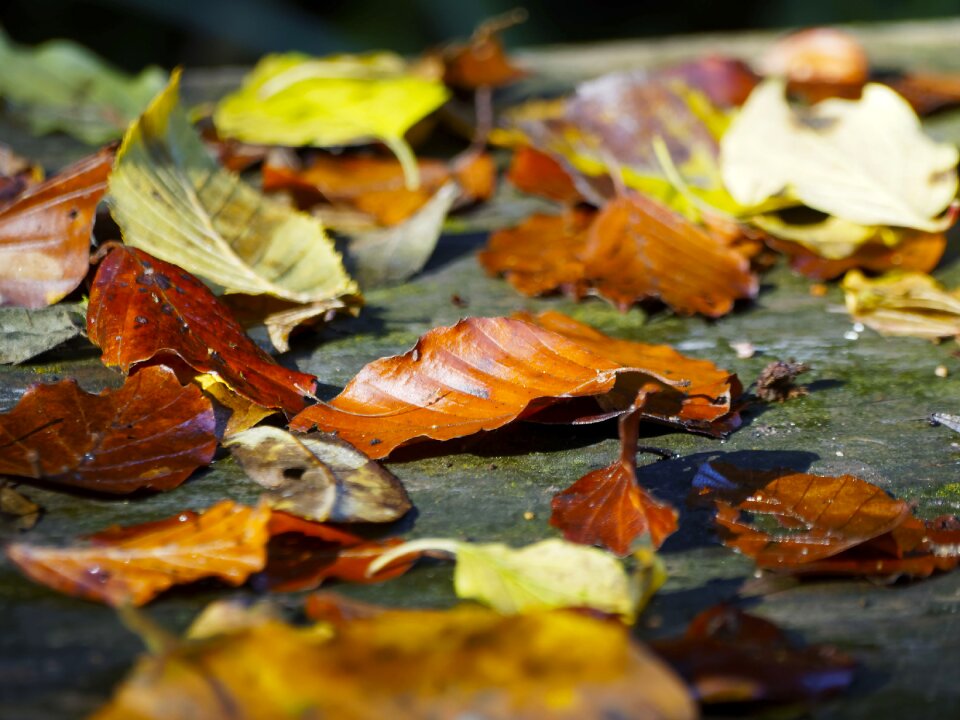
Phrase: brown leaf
(608, 507)
(538, 173)
(727, 81)
(480, 374)
(728, 656)
(403, 665)
(133, 565)
(151, 433)
(16, 509)
(45, 234)
(831, 525)
(16, 174)
(482, 61)
(143, 309)
(778, 381)
(928, 92)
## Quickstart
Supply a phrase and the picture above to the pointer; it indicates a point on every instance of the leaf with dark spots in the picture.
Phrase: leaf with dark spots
(728, 656)
(45, 234)
(607, 507)
(150, 434)
(200, 330)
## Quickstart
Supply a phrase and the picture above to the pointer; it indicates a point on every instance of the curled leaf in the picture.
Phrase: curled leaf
(902, 303)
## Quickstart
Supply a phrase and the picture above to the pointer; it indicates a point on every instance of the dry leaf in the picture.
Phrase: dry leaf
(538, 173)
(26, 333)
(482, 61)
(244, 414)
(133, 565)
(778, 381)
(152, 433)
(902, 303)
(16, 509)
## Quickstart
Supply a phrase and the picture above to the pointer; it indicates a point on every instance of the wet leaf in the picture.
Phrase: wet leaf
(902, 303)
(829, 157)
(480, 374)
(392, 255)
(607, 507)
(144, 309)
(45, 234)
(404, 664)
(778, 381)
(728, 656)
(295, 100)
(823, 525)
(151, 433)
(172, 200)
(17, 511)
(319, 477)
(546, 575)
(133, 565)
(26, 333)
(60, 85)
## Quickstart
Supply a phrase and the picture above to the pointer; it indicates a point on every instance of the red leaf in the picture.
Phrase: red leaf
(537, 173)
(151, 433)
(608, 507)
(45, 234)
(142, 309)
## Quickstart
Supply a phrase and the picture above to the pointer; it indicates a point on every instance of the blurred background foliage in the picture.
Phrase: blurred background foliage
(133, 33)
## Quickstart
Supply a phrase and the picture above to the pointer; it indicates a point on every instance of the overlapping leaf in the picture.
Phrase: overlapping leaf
(403, 664)
(45, 234)
(172, 200)
(903, 303)
(142, 309)
(151, 433)
(133, 565)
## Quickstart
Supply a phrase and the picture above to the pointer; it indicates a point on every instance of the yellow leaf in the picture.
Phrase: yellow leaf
(903, 303)
(866, 161)
(833, 238)
(403, 665)
(244, 414)
(173, 201)
(294, 99)
(546, 575)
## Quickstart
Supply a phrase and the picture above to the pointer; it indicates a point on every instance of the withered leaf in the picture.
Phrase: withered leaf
(319, 477)
(133, 565)
(16, 509)
(244, 414)
(16, 174)
(482, 61)
(404, 664)
(902, 303)
(538, 173)
(142, 308)
(728, 656)
(777, 381)
(45, 234)
(726, 81)
(607, 507)
(26, 333)
(480, 374)
(151, 433)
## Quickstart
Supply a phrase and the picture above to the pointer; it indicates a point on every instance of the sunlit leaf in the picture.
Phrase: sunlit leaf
(903, 303)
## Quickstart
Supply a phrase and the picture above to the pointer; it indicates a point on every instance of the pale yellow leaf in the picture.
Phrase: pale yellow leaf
(902, 303)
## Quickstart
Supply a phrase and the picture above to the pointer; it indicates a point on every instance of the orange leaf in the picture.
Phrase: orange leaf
(537, 173)
(152, 433)
(608, 507)
(482, 61)
(142, 309)
(478, 375)
(45, 234)
(133, 565)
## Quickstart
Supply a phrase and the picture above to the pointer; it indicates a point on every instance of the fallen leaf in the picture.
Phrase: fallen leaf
(403, 664)
(607, 507)
(728, 656)
(282, 318)
(902, 303)
(392, 255)
(244, 414)
(319, 477)
(537, 173)
(45, 233)
(726, 81)
(480, 374)
(547, 575)
(17, 511)
(60, 85)
(825, 55)
(26, 333)
(133, 565)
(172, 200)
(928, 92)
(827, 525)
(828, 237)
(152, 433)
(16, 174)
(778, 381)
(830, 157)
(295, 100)
(142, 309)
(482, 61)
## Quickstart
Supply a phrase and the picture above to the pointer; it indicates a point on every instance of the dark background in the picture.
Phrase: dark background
(133, 33)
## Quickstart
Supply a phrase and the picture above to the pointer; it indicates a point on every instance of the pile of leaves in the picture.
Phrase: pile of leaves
(672, 187)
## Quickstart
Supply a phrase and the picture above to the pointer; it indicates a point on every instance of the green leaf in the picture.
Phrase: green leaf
(546, 575)
(294, 99)
(866, 161)
(26, 333)
(60, 85)
(173, 201)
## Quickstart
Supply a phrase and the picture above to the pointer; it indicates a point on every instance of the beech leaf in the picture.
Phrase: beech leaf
(171, 199)
(133, 565)
(319, 477)
(26, 333)
(151, 433)
(45, 234)
(402, 664)
(866, 161)
(546, 575)
(902, 303)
